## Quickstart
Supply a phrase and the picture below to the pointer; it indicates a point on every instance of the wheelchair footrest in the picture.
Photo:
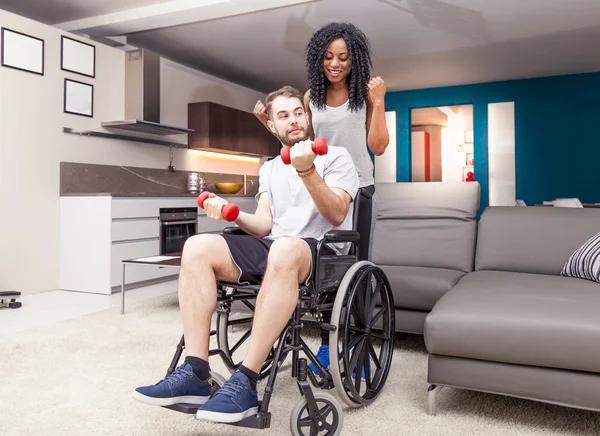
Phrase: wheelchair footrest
(261, 420)
(184, 408)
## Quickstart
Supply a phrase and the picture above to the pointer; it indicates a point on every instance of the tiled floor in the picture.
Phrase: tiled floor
(52, 306)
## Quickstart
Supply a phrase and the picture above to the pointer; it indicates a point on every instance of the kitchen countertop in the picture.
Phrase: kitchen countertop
(145, 194)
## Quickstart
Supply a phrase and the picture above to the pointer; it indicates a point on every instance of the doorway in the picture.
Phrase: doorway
(442, 144)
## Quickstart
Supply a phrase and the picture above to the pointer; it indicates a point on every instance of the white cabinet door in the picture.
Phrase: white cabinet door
(128, 230)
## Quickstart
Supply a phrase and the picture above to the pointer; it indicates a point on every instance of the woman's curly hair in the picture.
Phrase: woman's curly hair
(360, 63)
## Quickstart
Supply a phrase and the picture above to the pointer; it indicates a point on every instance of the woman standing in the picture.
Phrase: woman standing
(344, 104)
(346, 107)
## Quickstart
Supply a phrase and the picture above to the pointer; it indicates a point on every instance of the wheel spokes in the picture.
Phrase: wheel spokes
(365, 324)
(373, 354)
(241, 341)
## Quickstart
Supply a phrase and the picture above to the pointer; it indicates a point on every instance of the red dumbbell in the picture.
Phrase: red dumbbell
(229, 211)
(319, 147)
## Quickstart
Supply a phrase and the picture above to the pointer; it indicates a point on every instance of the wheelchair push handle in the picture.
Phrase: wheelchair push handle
(319, 147)
(230, 211)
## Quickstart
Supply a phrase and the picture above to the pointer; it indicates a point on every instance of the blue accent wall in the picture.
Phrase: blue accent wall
(557, 132)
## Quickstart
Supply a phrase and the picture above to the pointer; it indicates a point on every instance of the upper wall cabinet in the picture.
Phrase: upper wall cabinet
(226, 130)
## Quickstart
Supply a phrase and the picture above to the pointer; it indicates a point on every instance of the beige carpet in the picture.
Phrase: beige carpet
(75, 378)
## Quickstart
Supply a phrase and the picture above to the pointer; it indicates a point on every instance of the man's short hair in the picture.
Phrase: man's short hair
(286, 91)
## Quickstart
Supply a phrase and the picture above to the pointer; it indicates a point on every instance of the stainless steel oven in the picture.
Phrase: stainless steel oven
(176, 225)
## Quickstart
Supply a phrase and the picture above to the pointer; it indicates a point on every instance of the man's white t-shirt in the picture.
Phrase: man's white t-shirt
(294, 211)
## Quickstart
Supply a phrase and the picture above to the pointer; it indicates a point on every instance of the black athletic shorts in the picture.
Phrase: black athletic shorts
(250, 254)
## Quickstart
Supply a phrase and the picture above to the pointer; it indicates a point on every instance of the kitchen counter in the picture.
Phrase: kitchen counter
(145, 194)
(79, 180)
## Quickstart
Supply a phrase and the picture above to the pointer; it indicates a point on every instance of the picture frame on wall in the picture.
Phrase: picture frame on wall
(22, 52)
(77, 57)
(78, 98)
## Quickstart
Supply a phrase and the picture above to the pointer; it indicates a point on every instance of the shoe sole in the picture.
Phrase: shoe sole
(226, 418)
(169, 401)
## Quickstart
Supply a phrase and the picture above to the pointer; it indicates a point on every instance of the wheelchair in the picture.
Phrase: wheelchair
(361, 334)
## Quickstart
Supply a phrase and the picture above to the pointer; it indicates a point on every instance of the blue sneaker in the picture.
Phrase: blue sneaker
(235, 401)
(181, 386)
(323, 358)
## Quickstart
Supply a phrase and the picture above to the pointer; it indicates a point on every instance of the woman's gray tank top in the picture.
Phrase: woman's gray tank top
(343, 128)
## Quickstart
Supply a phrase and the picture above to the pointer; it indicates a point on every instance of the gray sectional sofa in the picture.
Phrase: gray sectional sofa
(502, 319)
(425, 243)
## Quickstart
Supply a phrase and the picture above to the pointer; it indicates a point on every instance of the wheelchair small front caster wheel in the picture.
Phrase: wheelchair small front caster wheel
(330, 418)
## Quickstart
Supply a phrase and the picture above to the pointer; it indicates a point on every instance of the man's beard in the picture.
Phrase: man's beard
(287, 140)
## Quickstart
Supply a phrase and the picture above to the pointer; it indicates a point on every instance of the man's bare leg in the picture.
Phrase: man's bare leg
(288, 265)
(205, 258)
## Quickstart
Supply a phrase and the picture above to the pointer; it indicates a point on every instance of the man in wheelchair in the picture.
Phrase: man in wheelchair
(297, 205)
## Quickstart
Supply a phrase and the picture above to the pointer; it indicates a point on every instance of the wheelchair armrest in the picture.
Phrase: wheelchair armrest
(341, 236)
(366, 194)
(233, 230)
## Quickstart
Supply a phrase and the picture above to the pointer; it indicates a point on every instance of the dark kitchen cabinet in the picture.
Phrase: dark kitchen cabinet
(227, 130)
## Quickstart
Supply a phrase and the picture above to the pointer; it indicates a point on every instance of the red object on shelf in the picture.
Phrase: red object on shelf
(470, 177)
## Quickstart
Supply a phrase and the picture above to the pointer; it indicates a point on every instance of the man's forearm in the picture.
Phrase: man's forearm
(329, 204)
(256, 225)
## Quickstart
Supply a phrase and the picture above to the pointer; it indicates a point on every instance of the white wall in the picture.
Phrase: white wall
(385, 164)
(32, 144)
(501, 154)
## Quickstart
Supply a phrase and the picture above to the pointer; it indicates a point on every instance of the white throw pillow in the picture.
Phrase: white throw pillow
(585, 262)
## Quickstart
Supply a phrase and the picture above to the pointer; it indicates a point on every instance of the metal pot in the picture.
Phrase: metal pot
(195, 183)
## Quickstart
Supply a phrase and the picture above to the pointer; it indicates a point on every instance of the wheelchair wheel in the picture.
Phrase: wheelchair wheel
(363, 341)
(235, 350)
(218, 381)
(331, 417)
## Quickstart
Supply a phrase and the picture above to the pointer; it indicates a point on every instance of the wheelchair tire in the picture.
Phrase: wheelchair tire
(364, 336)
(235, 360)
(302, 425)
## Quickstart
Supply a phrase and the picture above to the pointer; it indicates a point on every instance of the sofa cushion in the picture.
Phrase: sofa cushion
(528, 319)
(585, 262)
(418, 287)
(532, 239)
(429, 224)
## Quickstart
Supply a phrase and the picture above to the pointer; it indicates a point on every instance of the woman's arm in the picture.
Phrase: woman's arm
(260, 112)
(311, 132)
(378, 136)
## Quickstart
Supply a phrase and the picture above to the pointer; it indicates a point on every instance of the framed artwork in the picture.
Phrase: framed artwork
(22, 52)
(79, 98)
(77, 57)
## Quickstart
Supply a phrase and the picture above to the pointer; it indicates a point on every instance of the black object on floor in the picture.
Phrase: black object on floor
(9, 299)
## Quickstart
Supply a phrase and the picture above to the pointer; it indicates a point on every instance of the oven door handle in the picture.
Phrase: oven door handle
(175, 223)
